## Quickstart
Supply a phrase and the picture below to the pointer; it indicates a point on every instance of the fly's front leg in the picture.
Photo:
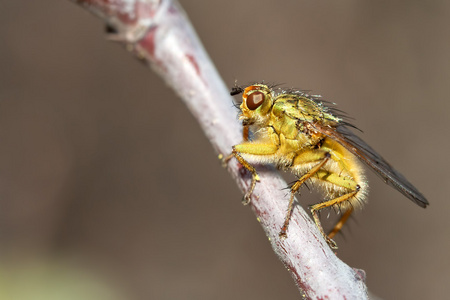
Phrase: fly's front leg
(245, 138)
(255, 177)
(305, 157)
(257, 149)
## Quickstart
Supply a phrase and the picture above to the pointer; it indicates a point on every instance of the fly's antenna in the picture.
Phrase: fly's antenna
(235, 90)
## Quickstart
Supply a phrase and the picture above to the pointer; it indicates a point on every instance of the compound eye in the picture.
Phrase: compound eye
(255, 99)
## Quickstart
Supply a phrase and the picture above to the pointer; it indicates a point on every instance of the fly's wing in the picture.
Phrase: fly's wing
(365, 153)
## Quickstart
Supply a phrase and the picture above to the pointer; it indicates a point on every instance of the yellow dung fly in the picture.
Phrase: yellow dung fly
(297, 132)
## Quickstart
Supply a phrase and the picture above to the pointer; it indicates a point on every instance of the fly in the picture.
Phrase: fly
(297, 132)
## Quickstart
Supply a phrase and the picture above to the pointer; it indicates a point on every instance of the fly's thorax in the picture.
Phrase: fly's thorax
(294, 129)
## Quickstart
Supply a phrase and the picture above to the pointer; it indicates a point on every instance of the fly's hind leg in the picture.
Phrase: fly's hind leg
(340, 223)
(315, 213)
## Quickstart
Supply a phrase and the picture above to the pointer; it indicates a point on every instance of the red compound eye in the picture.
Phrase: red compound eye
(254, 100)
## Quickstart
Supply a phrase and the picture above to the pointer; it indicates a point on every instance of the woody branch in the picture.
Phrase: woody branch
(158, 32)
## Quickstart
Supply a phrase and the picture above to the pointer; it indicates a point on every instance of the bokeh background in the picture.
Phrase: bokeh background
(108, 186)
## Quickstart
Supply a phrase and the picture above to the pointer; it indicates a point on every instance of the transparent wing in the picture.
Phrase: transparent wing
(365, 153)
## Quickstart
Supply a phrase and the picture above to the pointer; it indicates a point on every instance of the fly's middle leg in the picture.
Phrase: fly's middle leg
(306, 157)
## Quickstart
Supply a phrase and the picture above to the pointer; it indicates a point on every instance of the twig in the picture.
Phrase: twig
(159, 33)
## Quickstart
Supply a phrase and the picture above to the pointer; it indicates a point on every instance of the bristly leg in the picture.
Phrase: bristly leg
(295, 187)
(247, 197)
(316, 208)
(340, 223)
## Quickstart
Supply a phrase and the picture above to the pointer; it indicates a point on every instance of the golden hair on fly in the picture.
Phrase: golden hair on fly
(299, 133)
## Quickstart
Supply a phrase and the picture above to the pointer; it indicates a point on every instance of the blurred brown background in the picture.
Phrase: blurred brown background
(104, 169)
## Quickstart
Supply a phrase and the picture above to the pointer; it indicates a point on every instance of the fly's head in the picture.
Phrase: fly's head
(256, 104)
